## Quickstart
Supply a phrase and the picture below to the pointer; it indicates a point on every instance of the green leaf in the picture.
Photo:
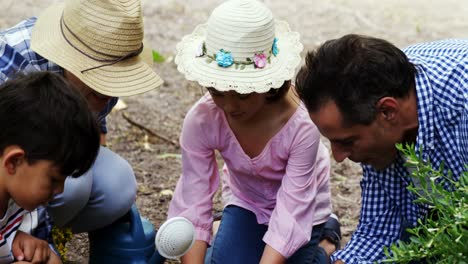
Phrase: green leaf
(157, 57)
(442, 235)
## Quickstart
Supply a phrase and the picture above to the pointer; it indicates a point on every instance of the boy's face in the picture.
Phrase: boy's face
(30, 185)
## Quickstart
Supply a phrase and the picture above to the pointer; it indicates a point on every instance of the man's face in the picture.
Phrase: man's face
(372, 144)
(96, 101)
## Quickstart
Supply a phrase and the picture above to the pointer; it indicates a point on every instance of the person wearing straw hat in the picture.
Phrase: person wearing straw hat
(97, 46)
(276, 175)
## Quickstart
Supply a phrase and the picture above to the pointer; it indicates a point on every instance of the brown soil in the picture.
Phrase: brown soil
(161, 112)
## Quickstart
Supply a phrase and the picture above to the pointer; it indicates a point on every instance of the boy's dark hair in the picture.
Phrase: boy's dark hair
(354, 72)
(50, 120)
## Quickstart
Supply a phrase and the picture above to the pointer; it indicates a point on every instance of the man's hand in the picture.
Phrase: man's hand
(29, 249)
(338, 262)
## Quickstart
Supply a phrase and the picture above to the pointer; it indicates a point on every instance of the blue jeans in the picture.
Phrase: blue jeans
(239, 240)
(97, 198)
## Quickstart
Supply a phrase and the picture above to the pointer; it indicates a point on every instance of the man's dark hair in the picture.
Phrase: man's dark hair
(354, 72)
(41, 113)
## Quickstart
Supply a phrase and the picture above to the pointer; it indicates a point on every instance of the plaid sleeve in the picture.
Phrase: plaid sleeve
(463, 129)
(464, 135)
(379, 223)
(15, 52)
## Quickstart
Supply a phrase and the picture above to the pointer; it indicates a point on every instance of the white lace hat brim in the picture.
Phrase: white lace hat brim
(248, 80)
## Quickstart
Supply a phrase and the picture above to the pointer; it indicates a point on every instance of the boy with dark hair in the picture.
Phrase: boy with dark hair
(48, 132)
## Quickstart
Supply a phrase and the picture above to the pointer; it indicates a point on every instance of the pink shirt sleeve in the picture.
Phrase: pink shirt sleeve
(199, 180)
(303, 192)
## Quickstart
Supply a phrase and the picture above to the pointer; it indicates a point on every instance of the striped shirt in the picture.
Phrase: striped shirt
(9, 223)
(16, 56)
(442, 96)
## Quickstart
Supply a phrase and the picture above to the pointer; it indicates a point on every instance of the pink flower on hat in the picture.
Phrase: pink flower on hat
(260, 60)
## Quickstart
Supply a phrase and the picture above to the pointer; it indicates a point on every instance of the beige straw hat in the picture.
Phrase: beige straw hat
(100, 42)
(241, 48)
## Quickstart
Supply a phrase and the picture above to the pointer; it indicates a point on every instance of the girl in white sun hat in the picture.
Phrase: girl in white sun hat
(276, 172)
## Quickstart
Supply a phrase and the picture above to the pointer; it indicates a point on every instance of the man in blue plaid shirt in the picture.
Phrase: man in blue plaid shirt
(365, 95)
(103, 58)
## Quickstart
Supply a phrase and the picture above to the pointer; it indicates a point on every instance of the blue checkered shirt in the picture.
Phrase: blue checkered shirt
(442, 96)
(16, 56)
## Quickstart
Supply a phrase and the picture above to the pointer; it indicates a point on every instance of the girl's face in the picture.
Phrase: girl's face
(239, 107)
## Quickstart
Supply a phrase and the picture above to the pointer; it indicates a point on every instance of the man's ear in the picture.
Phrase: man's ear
(387, 109)
(12, 157)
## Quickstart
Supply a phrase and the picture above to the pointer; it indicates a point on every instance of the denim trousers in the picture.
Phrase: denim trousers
(97, 198)
(240, 240)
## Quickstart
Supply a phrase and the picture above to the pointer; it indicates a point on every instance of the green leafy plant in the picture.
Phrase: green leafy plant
(61, 237)
(157, 57)
(443, 236)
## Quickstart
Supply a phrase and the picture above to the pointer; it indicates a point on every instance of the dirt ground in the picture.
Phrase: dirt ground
(146, 131)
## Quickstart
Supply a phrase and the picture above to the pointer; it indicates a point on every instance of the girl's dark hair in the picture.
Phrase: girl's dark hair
(49, 120)
(274, 94)
(354, 72)
(278, 93)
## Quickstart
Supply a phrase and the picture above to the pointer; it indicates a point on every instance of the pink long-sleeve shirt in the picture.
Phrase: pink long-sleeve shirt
(286, 186)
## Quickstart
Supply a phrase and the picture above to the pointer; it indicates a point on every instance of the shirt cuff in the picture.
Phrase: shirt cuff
(345, 257)
(285, 248)
(203, 234)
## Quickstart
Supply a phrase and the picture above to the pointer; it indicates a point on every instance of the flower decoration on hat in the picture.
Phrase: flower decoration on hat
(260, 60)
(274, 47)
(201, 50)
(225, 59)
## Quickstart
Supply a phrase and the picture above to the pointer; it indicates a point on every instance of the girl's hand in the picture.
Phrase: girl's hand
(271, 256)
(196, 255)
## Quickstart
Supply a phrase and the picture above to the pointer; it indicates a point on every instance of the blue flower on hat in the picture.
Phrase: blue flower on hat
(274, 47)
(224, 58)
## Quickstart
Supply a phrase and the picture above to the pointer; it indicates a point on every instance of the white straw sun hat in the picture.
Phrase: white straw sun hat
(241, 48)
(100, 42)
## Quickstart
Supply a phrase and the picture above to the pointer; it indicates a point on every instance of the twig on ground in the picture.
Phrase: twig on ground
(149, 131)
